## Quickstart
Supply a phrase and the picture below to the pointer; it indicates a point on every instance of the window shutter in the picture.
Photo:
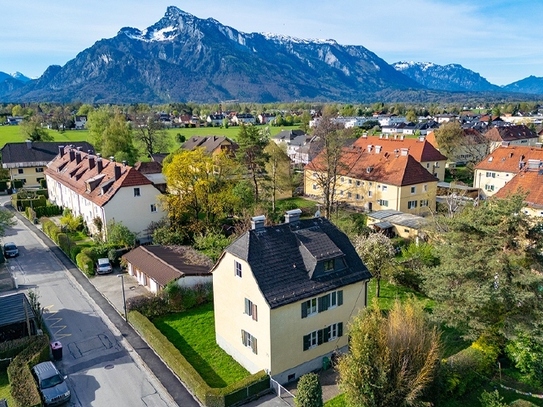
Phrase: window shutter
(247, 307)
(254, 313)
(340, 329)
(304, 310)
(322, 304)
(253, 346)
(340, 298)
(326, 334)
(243, 338)
(306, 342)
(320, 334)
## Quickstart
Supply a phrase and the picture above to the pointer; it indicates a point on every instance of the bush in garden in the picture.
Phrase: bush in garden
(85, 264)
(309, 391)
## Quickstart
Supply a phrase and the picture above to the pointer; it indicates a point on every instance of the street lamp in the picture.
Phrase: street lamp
(124, 297)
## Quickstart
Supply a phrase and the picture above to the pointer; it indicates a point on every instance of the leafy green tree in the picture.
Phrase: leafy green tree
(309, 391)
(7, 220)
(31, 129)
(492, 399)
(118, 140)
(119, 235)
(488, 278)
(377, 252)
(450, 137)
(97, 123)
(200, 187)
(252, 156)
(527, 355)
(393, 358)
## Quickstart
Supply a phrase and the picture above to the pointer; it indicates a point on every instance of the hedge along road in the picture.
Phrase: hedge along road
(106, 361)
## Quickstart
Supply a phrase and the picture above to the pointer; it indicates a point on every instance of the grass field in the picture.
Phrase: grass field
(193, 333)
(4, 386)
(12, 134)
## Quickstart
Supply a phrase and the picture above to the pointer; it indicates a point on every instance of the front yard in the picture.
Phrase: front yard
(193, 333)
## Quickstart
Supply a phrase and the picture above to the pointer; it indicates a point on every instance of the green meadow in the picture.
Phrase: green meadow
(13, 134)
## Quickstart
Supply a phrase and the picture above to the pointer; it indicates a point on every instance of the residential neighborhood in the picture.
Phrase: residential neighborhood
(277, 259)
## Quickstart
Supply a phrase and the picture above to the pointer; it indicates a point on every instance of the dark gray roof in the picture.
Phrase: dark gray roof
(15, 309)
(289, 135)
(283, 257)
(38, 152)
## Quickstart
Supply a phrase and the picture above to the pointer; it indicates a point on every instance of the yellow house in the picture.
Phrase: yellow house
(27, 161)
(284, 294)
(371, 179)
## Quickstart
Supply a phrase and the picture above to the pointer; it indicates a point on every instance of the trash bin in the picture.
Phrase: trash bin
(56, 350)
(326, 363)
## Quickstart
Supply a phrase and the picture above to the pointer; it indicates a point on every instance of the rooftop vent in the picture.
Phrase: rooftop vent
(293, 215)
(257, 222)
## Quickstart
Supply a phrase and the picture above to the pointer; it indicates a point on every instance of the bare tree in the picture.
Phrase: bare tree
(328, 165)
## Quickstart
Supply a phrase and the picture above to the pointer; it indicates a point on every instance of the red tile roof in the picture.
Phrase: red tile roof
(383, 167)
(422, 151)
(527, 181)
(87, 181)
(508, 159)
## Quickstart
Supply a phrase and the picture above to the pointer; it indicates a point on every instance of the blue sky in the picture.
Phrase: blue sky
(501, 40)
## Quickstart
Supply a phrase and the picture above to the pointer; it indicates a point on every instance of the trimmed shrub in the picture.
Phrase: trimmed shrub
(309, 391)
(3, 185)
(74, 251)
(85, 264)
(43, 184)
(49, 210)
(23, 386)
(17, 184)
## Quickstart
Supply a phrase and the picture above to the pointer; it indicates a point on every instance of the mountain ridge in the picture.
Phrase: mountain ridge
(184, 58)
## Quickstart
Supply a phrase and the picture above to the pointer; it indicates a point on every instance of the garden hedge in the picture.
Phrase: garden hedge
(85, 264)
(23, 387)
(224, 397)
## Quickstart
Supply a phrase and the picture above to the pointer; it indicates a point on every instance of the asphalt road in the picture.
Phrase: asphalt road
(102, 356)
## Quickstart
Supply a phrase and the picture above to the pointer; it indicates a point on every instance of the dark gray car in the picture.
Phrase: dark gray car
(51, 384)
(11, 250)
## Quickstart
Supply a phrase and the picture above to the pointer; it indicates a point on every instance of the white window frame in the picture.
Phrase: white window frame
(137, 192)
(313, 339)
(153, 208)
(238, 269)
(411, 204)
(413, 190)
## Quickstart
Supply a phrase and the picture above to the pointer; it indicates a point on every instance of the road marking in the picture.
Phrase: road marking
(51, 316)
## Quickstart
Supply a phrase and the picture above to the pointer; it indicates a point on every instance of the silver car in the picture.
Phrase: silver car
(103, 266)
(51, 384)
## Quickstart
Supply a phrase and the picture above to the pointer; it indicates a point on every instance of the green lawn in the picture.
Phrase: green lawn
(193, 333)
(338, 401)
(4, 386)
(12, 134)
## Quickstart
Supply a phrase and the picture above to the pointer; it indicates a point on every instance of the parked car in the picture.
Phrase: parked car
(103, 266)
(51, 384)
(10, 250)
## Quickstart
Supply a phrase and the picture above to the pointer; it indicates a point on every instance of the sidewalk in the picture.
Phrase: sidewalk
(106, 291)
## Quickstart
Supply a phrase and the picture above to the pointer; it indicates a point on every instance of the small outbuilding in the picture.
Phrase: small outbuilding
(156, 266)
(17, 319)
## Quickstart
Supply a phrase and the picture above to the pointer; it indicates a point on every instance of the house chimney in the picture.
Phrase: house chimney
(78, 157)
(124, 163)
(377, 149)
(99, 165)
(293, 215)
(117, 172)
(29, 144)
(257, 222)
(79, 148)
(71, 155)
(404, 151)
(61, 151)
(91, 162)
